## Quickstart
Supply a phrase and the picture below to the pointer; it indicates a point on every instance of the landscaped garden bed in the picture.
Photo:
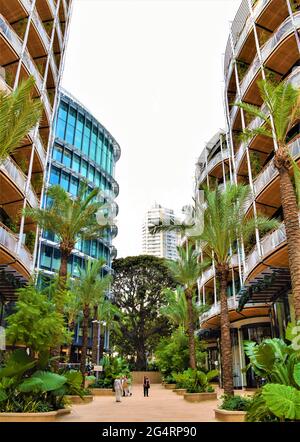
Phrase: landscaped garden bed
(229, 415)
(49, 416)
(79, 400)
(199, 397)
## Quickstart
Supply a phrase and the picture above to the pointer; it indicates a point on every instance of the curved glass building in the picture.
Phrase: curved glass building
(83, 150)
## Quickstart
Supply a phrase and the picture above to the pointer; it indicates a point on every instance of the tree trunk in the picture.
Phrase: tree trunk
(191, 330)
(141, 358)
(63, 269)
(222, 273)
(291, 221)
(85, 330)
(69, 353)
(95, 338)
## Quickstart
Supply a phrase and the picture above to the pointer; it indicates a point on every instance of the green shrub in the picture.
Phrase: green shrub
(195, 381)
(235, 403)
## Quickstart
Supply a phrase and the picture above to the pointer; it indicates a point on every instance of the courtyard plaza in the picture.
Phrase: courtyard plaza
(162, 405)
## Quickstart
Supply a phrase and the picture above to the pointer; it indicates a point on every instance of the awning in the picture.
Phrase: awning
(266, 287)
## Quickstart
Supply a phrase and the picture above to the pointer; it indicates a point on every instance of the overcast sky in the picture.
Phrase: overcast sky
(151, 72)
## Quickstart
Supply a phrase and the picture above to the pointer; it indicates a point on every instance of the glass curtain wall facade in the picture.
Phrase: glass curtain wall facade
(263, 42)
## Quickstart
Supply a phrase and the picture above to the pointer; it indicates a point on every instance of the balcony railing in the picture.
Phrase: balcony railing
(209, 273)
(16, 44)
(216, 309)
(10, 242)
(16, 176)
(38, 24)
(221, 156)
(284, 29)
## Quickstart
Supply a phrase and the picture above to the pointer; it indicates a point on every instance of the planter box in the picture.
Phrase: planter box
(199, 397)
(180, 391)
(170, 386)
(49, 416)
(74, 399)
(229, 416)
(102, 392)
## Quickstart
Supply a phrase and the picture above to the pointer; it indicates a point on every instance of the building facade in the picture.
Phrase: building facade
(162, 244)
(33, 38)
(263, 42)
(83, 150)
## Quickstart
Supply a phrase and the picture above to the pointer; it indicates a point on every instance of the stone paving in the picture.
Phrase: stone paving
(161, 406)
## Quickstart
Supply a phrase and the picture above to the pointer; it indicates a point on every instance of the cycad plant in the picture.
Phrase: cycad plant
(90, 288)
(19, 113)
(70, 219)
(283, 104)
(186, 271)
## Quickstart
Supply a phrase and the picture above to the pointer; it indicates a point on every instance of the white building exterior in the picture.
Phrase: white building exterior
(162, 244)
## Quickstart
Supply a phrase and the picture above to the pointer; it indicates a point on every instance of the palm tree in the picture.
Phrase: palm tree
(72, 312)
(225, 223)
(70, 219)
(176, 307)
(19, 113)
(283, 103)
(90, 288)
(186, 271)
(109, 313)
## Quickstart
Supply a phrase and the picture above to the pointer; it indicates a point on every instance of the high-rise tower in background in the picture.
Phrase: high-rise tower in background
(33, 38)
(162, 244)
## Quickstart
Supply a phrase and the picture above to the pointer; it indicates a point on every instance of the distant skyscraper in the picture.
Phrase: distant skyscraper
(162, 244)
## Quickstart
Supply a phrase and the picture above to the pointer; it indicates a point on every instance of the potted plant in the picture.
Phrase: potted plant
(73, 390)
(169, 382)
(197, 384)
(232, 408)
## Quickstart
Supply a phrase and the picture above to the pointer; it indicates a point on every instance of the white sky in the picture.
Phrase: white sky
(151, 72)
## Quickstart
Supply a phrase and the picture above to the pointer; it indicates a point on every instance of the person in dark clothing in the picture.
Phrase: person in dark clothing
(146, 386)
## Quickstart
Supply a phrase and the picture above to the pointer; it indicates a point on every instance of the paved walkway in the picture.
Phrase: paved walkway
(161, 406)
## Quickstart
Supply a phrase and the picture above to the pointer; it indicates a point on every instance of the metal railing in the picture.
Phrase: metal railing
(209, 273)
(221, 156)
(10, 242)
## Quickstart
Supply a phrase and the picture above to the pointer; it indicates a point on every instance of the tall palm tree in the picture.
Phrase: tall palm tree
(90, 288)
(19, 113)
(109, 313)
(176, 307)
(225, 223)
(72, 313)
(283, 104)
(186, 271)
(70, 219)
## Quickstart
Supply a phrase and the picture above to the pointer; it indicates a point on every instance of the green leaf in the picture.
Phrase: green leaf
(51, 381)
(296, 373)
(18, 363)
(3, 395)
(31, 385)
(282, 400)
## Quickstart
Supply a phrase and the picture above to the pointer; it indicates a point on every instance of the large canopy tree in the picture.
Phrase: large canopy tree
(19, 113)
(136, 291)
(283, 104)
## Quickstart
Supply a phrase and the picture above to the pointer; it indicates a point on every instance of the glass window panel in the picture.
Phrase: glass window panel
(70, 134)
(76, 163)
(54, 175)
(97, 178)
(64, 181)
(86, 137)
(91, 174)
(94, 249)
(56, 260)
(86, 247)
(74, 186)
(46, 257)
(84, 168)
(77, 263)
(63, 109)
(99, 148)
(67, 158)
(79, 131)
(72, 116)
(57, 153)
(60, 129)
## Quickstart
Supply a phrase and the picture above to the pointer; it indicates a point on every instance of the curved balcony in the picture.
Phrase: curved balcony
(16, 176)
(37, 22)
(39, 147)
(216, 160)
(9, 246)
(13, 40)
(212, 316)
(284, 30)
(270, 243)
(269, 173)
(208, 274)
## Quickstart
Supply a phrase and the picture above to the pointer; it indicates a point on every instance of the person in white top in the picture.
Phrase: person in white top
(118, 389)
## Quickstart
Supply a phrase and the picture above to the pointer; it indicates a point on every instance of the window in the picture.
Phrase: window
(67, 158)
(93, 144)
(62, 119)
(46, 257)
(79, 131)
(97, 178)
(84, 168)
(99, 148)
(94, 249)
(91, 174)
(71, 125)
(64, 181)
(86, 137)
(56, 260)
(104, 155)
(74, 186)
(76, 163)
(54, 175)
(57, 153)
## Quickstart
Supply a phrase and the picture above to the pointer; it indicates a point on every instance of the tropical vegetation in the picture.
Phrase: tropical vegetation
(195, 381)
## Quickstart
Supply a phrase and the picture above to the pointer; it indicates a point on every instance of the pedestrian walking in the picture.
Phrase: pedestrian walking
(125, 386)
(146, 385)
(118, 389)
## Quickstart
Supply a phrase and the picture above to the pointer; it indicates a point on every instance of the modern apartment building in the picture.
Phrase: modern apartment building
(83, 150)
(162, 244)
(263, 41)
(33, 38)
